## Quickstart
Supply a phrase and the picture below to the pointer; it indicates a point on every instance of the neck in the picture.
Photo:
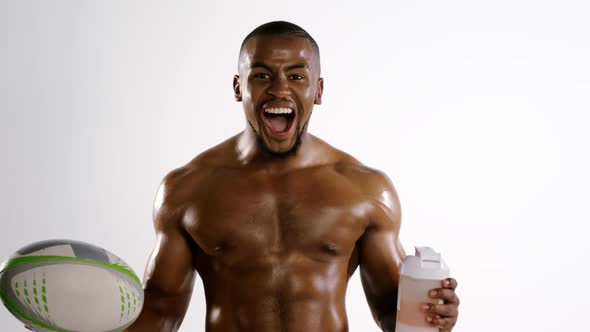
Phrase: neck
(251, 153)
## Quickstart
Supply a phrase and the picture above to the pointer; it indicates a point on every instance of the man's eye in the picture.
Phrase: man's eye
(296, 77)
(261, 76)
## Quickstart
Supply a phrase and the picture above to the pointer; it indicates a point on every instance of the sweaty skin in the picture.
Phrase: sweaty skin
(274, 238)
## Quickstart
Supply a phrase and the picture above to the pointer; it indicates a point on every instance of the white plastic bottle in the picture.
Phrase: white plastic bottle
(418, 275)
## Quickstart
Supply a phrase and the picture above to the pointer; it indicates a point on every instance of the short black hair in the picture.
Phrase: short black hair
(279, 28)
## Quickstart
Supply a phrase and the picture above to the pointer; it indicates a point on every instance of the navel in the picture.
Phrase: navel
(220, 248)
(330, 248)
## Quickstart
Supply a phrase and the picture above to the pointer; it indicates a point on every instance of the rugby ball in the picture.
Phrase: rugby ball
(64, 285)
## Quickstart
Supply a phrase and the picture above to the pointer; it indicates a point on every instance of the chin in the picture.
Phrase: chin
(279, 153)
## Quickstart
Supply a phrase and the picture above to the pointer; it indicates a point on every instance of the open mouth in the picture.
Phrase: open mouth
(278, 120)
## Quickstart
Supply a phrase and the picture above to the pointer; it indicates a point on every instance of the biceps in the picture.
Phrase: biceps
(170, 269)
(380, 253)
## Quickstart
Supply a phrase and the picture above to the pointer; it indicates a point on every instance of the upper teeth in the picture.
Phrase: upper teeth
(278, 110)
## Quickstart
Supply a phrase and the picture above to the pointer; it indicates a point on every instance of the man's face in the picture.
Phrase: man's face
(278, 84)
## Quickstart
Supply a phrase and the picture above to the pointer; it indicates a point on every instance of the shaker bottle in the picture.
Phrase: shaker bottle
(418, 275)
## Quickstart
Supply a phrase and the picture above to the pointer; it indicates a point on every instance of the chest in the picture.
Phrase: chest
(314, 213)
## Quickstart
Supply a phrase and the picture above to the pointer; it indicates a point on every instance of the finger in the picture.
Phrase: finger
(450, 283)
(441, 322)
(444, 310)
(446, 294)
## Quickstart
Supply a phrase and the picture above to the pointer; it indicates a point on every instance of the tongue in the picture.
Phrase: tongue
(278, 122)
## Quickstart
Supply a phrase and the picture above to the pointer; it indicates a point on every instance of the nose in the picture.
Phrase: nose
(279, 86)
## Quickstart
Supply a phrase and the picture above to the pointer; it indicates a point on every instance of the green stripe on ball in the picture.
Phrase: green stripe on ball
(36, 259)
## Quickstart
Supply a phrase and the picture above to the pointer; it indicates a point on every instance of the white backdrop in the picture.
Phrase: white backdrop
(477, 110)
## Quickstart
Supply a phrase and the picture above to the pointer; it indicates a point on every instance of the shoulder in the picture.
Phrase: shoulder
(373, 183)
(183, 184)
(376, 188)
(222, 155)
(370, 181)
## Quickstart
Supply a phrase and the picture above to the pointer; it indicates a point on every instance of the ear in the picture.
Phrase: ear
(237, 90)
(319, 91)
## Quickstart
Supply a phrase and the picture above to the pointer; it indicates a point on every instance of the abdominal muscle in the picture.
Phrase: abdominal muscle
(277, 298)
(270, 315)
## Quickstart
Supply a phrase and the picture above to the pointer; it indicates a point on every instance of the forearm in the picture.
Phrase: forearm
(159, 314)
(153, 321)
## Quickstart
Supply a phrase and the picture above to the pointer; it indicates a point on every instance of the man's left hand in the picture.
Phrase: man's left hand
(443, 316)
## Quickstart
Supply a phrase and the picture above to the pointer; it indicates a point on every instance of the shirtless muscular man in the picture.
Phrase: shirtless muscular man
(274, 219)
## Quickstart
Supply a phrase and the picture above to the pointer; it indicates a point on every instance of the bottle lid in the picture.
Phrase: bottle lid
(426, 264)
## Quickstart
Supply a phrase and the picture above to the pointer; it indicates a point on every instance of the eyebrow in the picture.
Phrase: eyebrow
(260, 65)
(291, 67)
(297, 66)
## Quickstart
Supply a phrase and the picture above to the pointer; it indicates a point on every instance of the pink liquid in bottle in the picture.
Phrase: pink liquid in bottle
(418, 275)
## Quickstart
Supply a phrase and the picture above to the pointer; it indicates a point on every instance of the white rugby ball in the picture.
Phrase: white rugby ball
(64, 285)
